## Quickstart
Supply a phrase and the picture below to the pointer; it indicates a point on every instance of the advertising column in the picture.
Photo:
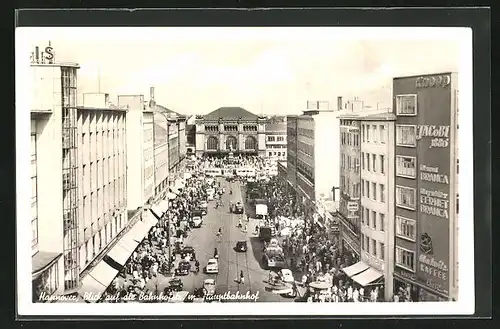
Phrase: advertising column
(435, 136)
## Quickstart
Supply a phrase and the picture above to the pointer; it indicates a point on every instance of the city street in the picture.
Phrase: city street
(204, 240)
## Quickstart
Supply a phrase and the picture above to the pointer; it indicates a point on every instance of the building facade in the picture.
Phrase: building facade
(54, 181)
(102, 175)
(291, 147)
(276, 141)
(230, 129)
(377, 197)
(350, 187)
(317, 168)
(426, 213)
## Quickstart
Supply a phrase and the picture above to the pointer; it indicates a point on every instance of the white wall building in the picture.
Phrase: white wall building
(377, 196)
(317, 157)
(276, 141)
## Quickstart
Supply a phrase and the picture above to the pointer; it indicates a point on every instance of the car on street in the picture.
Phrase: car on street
(237, 208)
(175, 284)
(183, 268)
(197, 218)
(241, 246)
(209, 287)
(204, 206)
(212, 266)
(286, 275)
(188, 251)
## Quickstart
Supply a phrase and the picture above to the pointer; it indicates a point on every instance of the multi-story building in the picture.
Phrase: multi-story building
(276, 141)
(54, 176)
(102, 175)
(230, 129)
(317, 168)
(426, 160)
(291, 147)
(377, 200)
(350, 187)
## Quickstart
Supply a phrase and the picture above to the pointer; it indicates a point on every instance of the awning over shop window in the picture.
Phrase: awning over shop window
(96, 281)
(120, 254)
(355, 269)
(366, 277)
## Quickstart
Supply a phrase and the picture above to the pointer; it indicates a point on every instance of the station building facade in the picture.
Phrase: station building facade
(230, 129)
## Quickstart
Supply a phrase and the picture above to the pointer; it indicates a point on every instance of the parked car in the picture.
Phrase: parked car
(209, 286)
(188, 251)
(175, 284)
(212, 266)
(237, 208)
(183, 268)
(286, 275)
(204, 206)
(197, 218)
(241, 246)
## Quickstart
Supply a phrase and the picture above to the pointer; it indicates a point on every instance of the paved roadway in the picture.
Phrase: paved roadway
(231, 263)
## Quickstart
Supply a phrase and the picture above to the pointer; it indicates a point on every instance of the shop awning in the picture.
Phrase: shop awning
(96, 281)
(366, 277)
(120, 254)
(355, 269)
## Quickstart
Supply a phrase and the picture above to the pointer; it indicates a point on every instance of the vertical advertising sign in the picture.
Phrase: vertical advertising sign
(434, 182)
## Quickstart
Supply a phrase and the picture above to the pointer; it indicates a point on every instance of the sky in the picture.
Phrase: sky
(264, 70)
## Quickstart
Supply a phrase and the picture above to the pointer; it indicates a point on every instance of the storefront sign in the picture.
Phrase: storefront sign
(439, 136)
(352, 206)
(434, 81)
(45, 56)
(435, 185)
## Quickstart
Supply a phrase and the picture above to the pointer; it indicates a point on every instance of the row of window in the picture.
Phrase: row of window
(213, 143)
(100, 122)
(34, 194)
(100, 173)
(249, 128)
(373, 190)
(230, 127)
(276, 154)
(371, 133)
(98, 146)
(305, 170)
(370, 246)
(351, 163)
(350, 188)
(372, 219)
(212, 128)
(275, 138)
(307, 149)
(276, 146)
(100, 239)
(103, 201)
(305, 132)
(348, 138)
(373, 162)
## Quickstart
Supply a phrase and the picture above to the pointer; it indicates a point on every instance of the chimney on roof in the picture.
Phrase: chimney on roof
(339, 103)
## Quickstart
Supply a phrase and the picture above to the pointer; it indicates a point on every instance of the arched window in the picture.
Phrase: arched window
(250, 143)
(230, 143)
(212, 143)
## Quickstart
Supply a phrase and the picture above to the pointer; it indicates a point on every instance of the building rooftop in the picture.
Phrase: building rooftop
(381, 116)
(230, 113)
(276, 127)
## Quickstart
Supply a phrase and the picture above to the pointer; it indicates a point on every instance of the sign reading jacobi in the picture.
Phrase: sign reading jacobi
(434, 188)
